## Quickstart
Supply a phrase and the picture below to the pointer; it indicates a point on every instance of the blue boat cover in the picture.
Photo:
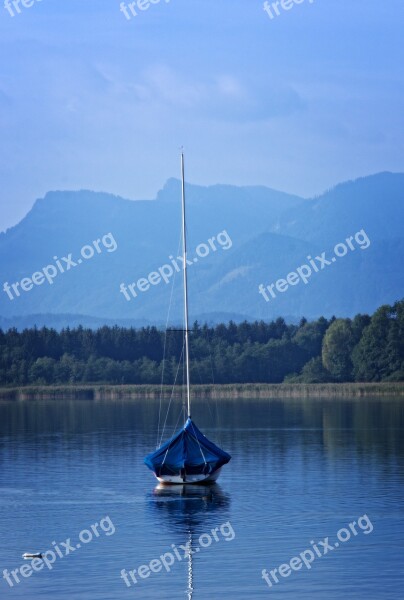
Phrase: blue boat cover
(188, 450)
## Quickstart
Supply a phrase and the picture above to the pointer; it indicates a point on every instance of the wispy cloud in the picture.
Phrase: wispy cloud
(221, 97)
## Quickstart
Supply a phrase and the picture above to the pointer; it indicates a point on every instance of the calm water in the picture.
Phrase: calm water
(301, 471)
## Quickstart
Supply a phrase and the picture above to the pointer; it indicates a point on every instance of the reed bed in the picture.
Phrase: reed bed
(229, 391)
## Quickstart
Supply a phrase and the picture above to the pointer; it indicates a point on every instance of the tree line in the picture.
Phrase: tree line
(364, 349)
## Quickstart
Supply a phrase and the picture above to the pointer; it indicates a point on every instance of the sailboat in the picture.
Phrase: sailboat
(188, 457)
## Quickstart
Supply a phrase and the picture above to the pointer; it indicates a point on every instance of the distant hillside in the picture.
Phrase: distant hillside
(62, 321)
(269, 234)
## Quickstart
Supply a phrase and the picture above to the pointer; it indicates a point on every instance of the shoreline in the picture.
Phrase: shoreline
(212, 391)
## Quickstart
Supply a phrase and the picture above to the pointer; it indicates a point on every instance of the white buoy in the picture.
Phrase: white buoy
(27, 556)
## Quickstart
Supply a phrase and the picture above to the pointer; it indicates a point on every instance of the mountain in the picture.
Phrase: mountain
(372, 203)
(261, 235)
(62, 321)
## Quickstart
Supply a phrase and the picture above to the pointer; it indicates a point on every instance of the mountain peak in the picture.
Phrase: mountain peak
(170, 192)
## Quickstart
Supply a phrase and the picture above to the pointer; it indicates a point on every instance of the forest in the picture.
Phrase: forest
(363, 349)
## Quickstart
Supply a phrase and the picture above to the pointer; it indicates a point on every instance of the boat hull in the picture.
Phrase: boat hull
(190, 479)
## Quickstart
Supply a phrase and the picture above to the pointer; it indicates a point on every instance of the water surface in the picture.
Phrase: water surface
(301, 470)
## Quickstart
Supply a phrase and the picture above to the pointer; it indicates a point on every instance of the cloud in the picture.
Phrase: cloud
(221, 97)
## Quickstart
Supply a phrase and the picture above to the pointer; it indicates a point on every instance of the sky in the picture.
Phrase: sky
(90, 99)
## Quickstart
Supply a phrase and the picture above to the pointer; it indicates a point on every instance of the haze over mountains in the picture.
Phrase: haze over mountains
(271, 233)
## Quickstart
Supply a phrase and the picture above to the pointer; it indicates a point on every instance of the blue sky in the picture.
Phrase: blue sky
(89, 99)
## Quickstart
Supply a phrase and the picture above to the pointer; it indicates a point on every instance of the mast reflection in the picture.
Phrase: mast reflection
(189, 511)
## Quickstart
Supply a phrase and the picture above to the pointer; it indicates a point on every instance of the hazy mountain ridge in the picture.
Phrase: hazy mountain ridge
(272, 233)
(349, 207)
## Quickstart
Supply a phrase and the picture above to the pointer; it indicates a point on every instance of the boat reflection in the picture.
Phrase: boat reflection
(189, 511)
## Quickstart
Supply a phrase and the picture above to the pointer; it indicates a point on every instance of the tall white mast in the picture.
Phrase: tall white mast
(184, 254)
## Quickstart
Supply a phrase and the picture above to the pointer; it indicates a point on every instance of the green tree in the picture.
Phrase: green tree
(338, 344)
(379, 354)
(42, 370)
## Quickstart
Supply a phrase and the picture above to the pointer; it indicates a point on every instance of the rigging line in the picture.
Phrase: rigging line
(217, 415)
(178, 420)
(196, 363)
(175, 429)
(213, 381)
(161, 383)
(184, 378)
(214, 415)
(200, 447)
(165, 345)
(171, 398)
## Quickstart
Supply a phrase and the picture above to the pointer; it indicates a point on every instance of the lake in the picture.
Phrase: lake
(314, 493)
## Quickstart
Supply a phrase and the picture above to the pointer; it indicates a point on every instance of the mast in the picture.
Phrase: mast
(184, 255)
